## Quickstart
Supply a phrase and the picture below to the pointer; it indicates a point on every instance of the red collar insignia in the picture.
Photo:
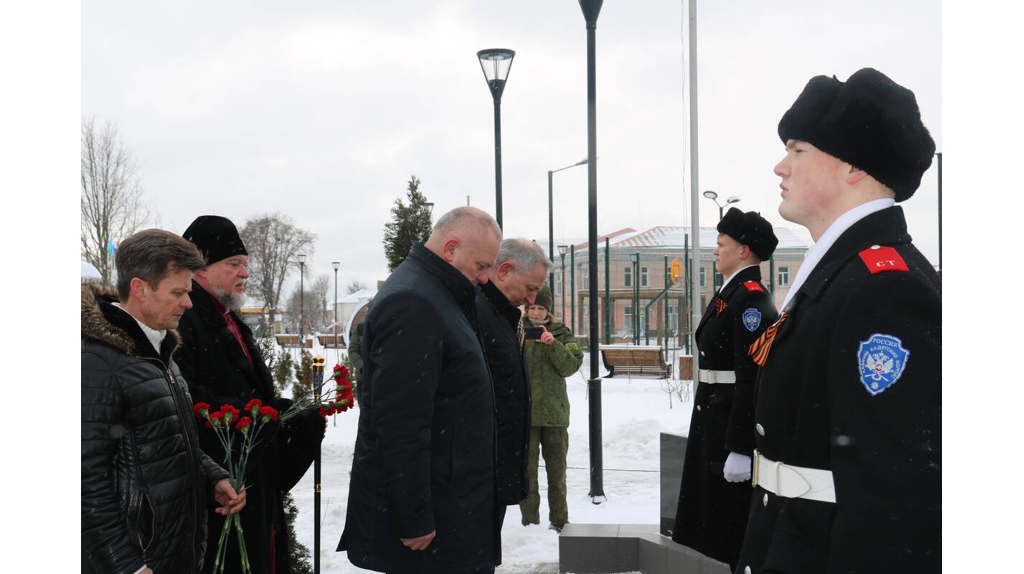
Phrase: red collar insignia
(752, 286)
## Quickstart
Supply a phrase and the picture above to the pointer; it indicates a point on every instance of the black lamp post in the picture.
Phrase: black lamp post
(561, 251)
(302, 315)
(551, 216)
(591, 10)
(335, 264)
(496, 63)
(721, 213)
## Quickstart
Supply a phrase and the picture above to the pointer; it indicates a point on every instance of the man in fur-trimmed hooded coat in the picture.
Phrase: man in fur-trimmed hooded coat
(146, 484)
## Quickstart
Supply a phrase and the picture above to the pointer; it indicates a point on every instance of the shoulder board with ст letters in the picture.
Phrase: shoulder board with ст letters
(752, 286)
(879, 259)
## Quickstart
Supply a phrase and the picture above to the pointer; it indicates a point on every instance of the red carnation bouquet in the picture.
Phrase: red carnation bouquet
(231, 425)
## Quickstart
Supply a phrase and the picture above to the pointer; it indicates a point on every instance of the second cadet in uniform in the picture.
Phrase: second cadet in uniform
(714, 498)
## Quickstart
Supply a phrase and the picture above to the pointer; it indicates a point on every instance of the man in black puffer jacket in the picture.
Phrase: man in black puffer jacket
(145, 482)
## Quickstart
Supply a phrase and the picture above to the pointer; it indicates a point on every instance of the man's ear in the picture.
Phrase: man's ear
(139, 288)
(744, 251)
(505, 269)
(448, 251)
(856, 174)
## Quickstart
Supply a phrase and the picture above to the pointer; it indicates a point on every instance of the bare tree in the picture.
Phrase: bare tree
(322, 293)
(354, 286)
(112, 206)
(273, 243)
(304, 306)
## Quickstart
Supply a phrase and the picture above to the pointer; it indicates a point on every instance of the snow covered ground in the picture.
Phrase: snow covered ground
(635, 411)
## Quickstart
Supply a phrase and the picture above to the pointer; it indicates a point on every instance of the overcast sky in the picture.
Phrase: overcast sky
(322, 109)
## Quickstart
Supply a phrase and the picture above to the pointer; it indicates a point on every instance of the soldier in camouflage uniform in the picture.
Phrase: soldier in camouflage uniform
(551, 358)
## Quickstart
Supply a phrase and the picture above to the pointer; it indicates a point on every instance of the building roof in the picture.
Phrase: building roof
(360, 295)
(89, 271)
(675, 236)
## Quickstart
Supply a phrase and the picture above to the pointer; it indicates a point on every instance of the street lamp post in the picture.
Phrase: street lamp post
(302, 314)
(561, 251)
(551, 215)
(721, 213)
(496, 63)
(335, 264)
(591, 10)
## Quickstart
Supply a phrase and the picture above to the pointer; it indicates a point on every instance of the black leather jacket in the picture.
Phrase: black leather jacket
(145, 482)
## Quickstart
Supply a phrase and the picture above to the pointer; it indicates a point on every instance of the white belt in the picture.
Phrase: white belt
(719, 377)
(793, 481)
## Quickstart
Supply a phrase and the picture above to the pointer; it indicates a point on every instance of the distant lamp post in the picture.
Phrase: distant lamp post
(430, 210)
(335, 264)
(302, 315)
(551, 215)
(561, 251)
(721, 213)
(496, 63)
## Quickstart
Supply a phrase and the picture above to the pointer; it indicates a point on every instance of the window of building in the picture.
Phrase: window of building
(585, 276)
(628, 317)
(783, 276)
(627, 277)
(643, 277)
(702, 274)
(558, 283)
(673, 318)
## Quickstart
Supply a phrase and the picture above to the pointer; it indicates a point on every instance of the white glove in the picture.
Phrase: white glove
(737, 467)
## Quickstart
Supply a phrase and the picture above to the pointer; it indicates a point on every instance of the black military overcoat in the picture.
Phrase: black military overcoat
(712, 512)
(851, 384)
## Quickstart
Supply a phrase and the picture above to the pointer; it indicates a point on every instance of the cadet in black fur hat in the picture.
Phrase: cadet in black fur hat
(847, 471)
(714, 497)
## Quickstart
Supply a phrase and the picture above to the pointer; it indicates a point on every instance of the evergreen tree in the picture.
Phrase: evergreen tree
(283, 369)
(409, 224)
(298, 554)
(304, 374)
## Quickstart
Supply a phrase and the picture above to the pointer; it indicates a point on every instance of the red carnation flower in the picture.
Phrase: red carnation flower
(243, 424)
(217, 418)
(201, 410)
(268, 413)
(253, 406)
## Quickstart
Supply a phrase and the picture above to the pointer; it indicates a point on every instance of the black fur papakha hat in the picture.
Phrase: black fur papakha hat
(869, 122)
(216, 237)
(750, 229)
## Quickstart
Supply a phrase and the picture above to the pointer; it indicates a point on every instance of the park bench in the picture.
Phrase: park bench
(632, 359)
(292, 341)
(332, 341)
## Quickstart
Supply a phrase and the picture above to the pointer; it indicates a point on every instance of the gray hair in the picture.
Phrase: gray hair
(464, 218)
(524, 254)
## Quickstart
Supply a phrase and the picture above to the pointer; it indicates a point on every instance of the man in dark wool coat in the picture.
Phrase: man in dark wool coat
(847, 415)
(516, 278)
(223, 365)
(714, 498)
(422, 493)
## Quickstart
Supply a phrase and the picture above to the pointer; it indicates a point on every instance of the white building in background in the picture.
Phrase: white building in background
(349, 304)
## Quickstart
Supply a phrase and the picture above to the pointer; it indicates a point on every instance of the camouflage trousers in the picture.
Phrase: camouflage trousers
(553, 442)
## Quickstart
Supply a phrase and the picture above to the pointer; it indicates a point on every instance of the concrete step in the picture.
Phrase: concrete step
(616, 548)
